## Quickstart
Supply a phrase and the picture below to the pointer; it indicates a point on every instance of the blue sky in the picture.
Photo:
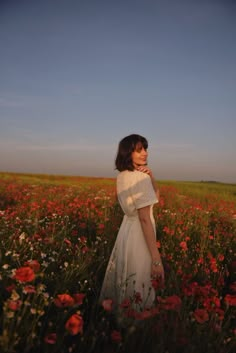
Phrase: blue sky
(76, 76)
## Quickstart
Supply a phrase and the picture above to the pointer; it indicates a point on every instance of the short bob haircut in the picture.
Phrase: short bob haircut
(126, 146)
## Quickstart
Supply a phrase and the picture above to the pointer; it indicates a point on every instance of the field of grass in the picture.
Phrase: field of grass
(203, 190)
(56, 235)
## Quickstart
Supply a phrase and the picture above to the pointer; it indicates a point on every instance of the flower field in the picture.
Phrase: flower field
(56, 235)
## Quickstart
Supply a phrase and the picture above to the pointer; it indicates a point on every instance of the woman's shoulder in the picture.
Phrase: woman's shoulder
(134, 175)
(125, 174)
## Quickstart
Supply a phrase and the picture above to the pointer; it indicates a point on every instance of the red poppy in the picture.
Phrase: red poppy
(168, 230)
(200, 260)
(84, 249)
(74, 232)
(157, 283)
(75, 324)
(221, 257)
(220, 313)
(67, 241)
(101, 228)
(83, 240)
(210, 303)
(201, 315)
(64, 300)
(24, 274)
(172, 302)
(154, 283)
(230, 299)
(190, 289)
(34, 264)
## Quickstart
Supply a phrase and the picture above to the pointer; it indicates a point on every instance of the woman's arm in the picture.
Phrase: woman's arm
(150, 237)
(155, 187)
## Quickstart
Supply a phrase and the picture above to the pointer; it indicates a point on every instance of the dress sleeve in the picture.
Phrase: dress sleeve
(142, 191)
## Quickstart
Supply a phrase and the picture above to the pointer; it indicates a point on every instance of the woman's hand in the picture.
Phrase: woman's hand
(157, 271)
(145, 169)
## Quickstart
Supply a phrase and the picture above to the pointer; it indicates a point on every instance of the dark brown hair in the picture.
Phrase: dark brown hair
(126, 146)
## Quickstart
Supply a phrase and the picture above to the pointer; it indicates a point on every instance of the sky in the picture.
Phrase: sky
(76, 76)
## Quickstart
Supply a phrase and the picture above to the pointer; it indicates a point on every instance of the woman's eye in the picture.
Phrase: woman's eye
(138, 150)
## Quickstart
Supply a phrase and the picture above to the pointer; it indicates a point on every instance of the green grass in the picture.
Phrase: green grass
(199, 190)
(54, 179)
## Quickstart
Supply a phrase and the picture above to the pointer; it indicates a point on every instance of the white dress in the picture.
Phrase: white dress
(129, 267)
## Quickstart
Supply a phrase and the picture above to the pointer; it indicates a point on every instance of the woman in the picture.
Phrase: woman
(135, 259)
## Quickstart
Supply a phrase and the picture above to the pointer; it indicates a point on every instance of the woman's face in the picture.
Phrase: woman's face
(139, 156)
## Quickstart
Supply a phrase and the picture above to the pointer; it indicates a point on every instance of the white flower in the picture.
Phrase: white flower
(22, 237)
(45, 264)
(10, 314)
(14, 295)
(41, 287)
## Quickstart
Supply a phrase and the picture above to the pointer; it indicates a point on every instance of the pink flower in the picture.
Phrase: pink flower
(51, 338)
(107, 304)
(183, 245)
(14, 305)
(125, 304)
(29, 289)
(34, 264)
